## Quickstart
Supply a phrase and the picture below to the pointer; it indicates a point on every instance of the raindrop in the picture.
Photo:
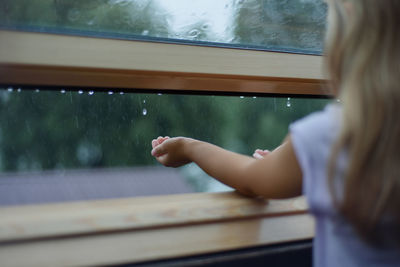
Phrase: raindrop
(194, 33)
(110, 92)
(205, 26)
(10, 89)
(62, 91)
(80, 92)
(144, 112)
(37, 90)
(241, 97)
(122, 2)
(91, 93)
(288, 104)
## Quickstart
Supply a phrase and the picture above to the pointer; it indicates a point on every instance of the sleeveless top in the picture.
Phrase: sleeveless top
(335, 242)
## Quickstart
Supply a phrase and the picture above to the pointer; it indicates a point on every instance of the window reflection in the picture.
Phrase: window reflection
(76, 145)
(296, 25)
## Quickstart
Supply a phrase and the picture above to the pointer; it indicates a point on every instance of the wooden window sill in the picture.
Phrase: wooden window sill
(150, 228)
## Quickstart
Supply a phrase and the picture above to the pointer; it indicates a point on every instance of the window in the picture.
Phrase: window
(295, 26)
(62, 68)
(95, 145)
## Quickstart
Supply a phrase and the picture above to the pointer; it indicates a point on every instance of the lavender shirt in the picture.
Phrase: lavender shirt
(335, 242)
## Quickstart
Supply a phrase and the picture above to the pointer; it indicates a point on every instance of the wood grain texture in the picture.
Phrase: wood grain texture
(133, 247)
(144, 229)
(41, 221)
(53, 60)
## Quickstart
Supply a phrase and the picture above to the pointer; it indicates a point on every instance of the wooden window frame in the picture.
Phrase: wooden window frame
(150, 228)
(57, 60)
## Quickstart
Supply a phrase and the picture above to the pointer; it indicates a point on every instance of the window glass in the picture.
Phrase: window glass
(295, 25)
(78, 145)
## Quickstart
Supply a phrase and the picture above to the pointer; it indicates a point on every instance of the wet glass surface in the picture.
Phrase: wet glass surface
(295, 25)
(75, 145)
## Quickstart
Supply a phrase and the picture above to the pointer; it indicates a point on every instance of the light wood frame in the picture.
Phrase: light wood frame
(56, 60)
(140, 229)
(150, 228)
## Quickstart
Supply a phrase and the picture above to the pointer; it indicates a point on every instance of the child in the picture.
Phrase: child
(346, 158)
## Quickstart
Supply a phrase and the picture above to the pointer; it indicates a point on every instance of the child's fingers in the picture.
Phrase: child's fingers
(259, 153)
(257, 156)
(158, 151)
(154, 143)
(161, 139)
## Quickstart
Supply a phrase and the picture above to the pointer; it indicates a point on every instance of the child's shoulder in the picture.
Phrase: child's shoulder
(321, 126)
(330, 115)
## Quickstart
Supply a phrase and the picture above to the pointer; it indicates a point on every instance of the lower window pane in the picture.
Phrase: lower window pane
(80, 145)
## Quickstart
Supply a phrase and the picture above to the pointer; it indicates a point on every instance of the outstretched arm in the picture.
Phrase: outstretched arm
(276, 175)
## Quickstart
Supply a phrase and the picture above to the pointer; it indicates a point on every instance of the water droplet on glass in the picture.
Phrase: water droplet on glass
(80, 92)
(110, 92)
(288, 104)
(121, 2)
(144, 112)
(205, 26)
(10, 89)
(241, 97)
(37, 90)
(62, 91)
(194, 33)
(91, 93)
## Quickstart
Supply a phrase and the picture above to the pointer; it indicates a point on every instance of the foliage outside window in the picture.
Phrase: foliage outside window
(47, 130)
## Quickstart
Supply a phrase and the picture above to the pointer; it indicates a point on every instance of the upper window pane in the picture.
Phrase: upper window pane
(294, 26)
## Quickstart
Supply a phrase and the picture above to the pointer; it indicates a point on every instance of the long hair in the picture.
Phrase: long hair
(363, 64)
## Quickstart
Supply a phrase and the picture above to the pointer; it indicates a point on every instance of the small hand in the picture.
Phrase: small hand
(260, 154)
(170, 151)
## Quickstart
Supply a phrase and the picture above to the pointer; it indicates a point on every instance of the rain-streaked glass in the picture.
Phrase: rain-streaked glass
(76, 145)
(284, 25)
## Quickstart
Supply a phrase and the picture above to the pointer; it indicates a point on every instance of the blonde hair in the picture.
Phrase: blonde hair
(363, 62)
